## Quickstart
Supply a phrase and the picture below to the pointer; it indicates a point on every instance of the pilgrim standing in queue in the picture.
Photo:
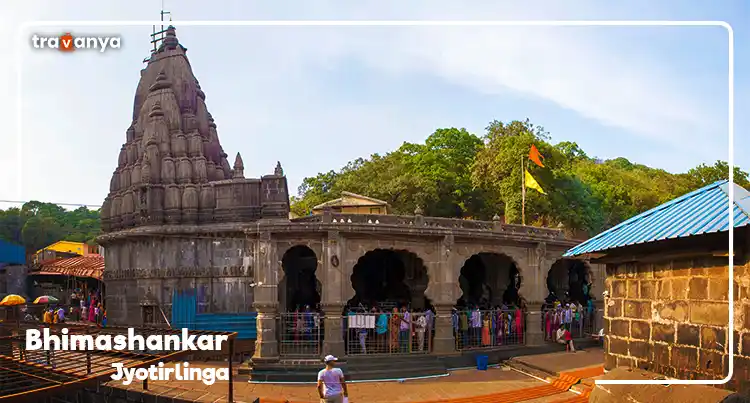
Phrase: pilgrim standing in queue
(331, 382)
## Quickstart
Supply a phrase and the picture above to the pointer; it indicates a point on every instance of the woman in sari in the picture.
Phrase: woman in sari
(394, 328)
(486, 341)
(519, 324)
(92, 311)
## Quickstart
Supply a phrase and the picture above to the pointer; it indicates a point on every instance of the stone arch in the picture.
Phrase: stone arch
(389, 277)
(299, 287)
(570, 280)
(489, 279)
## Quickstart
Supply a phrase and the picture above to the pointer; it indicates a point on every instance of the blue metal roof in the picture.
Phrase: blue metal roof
(702, 211)
(11, 253)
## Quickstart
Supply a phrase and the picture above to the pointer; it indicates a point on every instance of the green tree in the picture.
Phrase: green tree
(703, 175)
(38, 224)
(435, 176)
(498, 170)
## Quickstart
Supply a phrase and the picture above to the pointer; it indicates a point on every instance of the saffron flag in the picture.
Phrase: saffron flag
(536, 156)
(531, 183)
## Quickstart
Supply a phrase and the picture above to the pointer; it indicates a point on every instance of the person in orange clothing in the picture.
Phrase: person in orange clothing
(486, 340)
(395, 324)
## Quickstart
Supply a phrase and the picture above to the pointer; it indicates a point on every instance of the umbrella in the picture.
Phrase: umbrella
(46, 299)
(12, 300)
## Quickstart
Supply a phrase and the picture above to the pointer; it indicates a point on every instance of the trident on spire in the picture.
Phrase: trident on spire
(157, 37)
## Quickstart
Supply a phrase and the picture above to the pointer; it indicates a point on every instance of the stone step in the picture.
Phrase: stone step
(371, 375)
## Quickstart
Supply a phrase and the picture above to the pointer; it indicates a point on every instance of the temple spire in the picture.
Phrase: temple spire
(239, 167)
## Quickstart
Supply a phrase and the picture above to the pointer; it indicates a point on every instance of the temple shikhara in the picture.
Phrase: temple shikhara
(190, 241)
(172, 168)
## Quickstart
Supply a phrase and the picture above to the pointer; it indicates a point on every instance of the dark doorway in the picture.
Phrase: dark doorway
(302, 287)
(488, 280)
(569, 280)
(387, 278)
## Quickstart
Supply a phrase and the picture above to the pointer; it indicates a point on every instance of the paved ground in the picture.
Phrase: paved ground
(459, 384)
(555, 363)
(462, 383)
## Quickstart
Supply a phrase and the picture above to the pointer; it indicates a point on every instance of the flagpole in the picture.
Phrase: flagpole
(523, 194)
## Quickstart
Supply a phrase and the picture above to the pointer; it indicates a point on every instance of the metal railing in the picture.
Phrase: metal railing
(300, 334)
(580, 321)
(388, 333)
(477, 329)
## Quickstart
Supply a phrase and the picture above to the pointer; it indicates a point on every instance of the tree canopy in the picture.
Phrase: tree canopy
(37, 224)
(455, 173)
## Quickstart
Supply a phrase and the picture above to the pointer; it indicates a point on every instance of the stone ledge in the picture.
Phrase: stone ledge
(652, 393)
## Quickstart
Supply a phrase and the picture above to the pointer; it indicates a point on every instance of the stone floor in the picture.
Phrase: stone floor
(555, 363)
(459, 384)
(467, 383)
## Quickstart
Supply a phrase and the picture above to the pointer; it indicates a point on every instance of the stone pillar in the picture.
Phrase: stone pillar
(443, 291)
(534, 334)
(333, 298)
(534, 270)
(333, 338)
(444, 341)
(266, 343)
(265, 299)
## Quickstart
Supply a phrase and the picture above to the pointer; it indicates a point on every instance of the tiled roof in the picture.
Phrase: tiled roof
(82, 266)
(343, 202)
(703, 211)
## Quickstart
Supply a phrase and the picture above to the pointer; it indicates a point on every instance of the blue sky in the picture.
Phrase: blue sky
(317, 97)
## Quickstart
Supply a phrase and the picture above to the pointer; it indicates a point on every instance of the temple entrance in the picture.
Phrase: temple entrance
(389, 313)
(569, 280)
(569, 304)
(300, 327)
(301, 288)
(489, 280)
(490, 312)
(387, 279)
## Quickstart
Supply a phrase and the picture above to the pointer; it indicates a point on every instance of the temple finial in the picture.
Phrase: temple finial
(158, 37)
(239, 167)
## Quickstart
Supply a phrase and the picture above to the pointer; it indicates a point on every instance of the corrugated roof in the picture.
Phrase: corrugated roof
(702, 211)
(82, 266)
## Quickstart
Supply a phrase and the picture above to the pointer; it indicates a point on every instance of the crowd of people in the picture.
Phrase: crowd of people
(572, 316)
(380, 329)
(476, 328)
(88, 308)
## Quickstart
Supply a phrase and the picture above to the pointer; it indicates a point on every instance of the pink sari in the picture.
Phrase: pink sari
(92, 315)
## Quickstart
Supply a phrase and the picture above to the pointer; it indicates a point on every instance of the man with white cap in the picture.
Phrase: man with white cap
(331, 383)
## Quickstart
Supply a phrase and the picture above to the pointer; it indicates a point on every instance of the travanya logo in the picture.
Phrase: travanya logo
(68, 43)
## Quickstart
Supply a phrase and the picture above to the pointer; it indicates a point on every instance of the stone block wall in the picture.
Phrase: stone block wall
(220, 269)
(672, 318)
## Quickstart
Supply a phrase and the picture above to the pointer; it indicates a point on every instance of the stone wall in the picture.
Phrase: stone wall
(671, 317)
(147, 272)
(15, 279)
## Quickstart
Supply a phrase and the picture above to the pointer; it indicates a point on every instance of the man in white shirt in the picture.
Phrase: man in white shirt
(560, 336)
(331, 383)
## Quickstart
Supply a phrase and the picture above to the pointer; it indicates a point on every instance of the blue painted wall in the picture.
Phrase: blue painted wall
(184, 314)
(11, 253)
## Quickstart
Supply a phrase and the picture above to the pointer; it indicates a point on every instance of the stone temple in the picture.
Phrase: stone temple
(180, 220)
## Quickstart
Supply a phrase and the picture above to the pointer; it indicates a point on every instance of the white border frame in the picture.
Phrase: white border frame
(389, 23)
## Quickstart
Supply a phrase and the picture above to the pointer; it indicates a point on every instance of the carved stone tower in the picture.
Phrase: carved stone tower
(172, 168)
(176, 210)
